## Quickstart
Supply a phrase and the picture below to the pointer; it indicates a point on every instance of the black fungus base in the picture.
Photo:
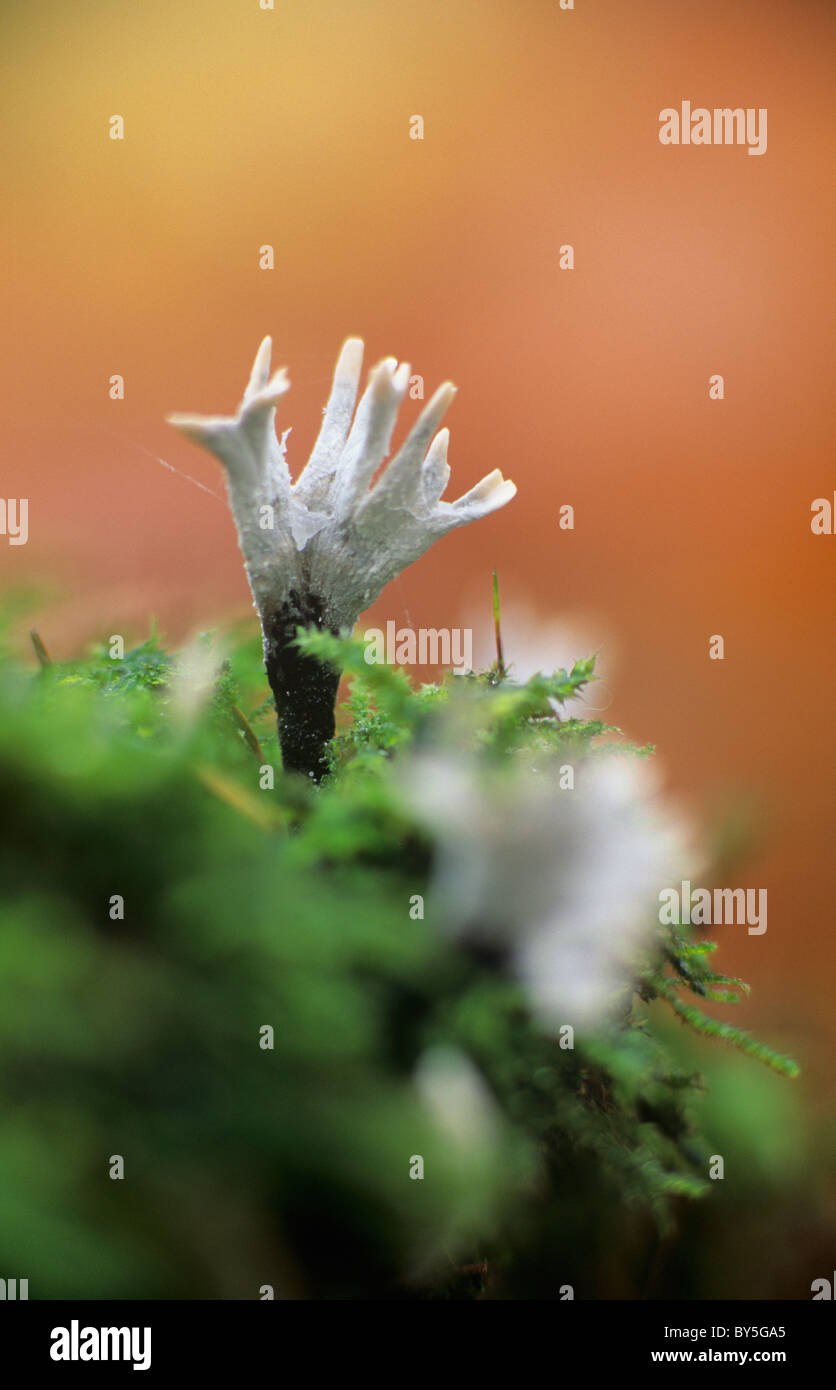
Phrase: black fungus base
(304, 689)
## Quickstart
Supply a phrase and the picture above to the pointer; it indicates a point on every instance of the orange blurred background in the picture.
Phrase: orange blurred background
(290, 126)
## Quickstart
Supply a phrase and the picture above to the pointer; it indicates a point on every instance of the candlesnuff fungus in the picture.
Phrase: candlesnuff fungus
(559, 887)
(319, 551)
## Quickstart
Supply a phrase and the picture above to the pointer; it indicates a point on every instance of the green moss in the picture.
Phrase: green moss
(245, 907)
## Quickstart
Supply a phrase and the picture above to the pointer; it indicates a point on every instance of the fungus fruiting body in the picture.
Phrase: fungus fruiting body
(318, 551)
